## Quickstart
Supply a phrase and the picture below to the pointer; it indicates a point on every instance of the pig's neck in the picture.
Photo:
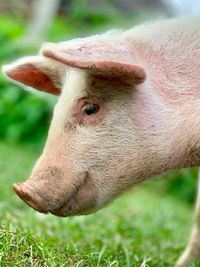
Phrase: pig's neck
(169, 133)
(182, 134)
(173, 77)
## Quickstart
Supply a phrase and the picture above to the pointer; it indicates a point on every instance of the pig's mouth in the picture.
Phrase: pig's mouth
(65, 210)
(81, 200)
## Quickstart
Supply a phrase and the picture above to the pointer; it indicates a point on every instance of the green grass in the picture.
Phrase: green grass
(141, 228)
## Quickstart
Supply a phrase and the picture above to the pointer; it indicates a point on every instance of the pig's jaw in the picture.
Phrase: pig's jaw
(83, 201)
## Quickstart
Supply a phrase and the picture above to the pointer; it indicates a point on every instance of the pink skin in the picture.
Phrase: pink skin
(41, 81)
(36, 188)
(57, 186)
(144, 83)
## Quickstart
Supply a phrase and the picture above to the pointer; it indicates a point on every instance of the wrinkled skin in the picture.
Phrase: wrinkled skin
(128, 109)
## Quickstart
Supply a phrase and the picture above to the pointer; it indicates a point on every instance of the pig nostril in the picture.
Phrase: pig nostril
(26, 197)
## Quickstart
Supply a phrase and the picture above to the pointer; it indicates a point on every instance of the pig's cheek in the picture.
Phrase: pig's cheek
(85, 201)
(69, 126)
(94, 119)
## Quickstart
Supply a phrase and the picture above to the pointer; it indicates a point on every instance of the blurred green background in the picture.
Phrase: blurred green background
(25, 116)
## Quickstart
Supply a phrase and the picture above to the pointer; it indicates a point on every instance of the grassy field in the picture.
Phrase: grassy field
(141, 228)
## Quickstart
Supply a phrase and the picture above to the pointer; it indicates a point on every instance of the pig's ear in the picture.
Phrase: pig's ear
(109, 59)
(38, 72)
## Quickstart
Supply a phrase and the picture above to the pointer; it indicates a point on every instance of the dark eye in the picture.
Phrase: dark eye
(90, 109)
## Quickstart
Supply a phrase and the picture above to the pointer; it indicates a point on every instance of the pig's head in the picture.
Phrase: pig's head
(96, 145)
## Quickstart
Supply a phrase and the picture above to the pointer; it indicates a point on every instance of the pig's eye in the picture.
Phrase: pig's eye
(90, 109)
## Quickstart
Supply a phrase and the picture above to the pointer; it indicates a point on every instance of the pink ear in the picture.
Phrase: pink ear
(99, 57)
(29, 72)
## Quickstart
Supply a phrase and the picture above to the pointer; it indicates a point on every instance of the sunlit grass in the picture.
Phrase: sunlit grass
(141, 228)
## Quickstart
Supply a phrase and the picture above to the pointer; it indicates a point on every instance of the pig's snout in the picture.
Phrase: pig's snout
(29, 198)
(61, 199)
(45, 190)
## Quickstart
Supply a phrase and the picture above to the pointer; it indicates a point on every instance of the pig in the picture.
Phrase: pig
(128, 109)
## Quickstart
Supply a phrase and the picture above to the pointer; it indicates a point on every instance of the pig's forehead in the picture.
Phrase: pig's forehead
(79, 83)
(76, 82)
(75, 86)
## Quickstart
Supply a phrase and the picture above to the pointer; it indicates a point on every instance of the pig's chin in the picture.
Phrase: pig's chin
(83, 202)
(70, 209)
